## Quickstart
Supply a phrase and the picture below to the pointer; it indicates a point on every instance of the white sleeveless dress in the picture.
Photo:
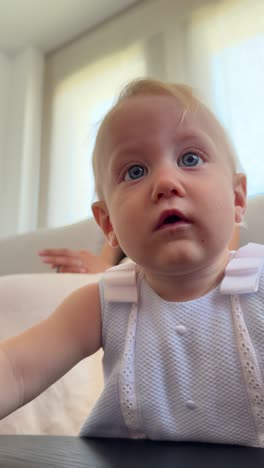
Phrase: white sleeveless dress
(190, 371)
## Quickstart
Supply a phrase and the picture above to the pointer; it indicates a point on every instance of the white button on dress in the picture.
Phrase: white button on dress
(190, 404)
(181, 330)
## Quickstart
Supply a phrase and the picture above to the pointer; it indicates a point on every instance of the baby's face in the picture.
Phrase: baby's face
(169, 185)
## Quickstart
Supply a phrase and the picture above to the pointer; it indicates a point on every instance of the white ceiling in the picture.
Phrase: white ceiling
(48, 24)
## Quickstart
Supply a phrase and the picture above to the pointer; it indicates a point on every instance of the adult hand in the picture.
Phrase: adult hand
(74, 261)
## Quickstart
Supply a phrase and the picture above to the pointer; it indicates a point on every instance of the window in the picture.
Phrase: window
(227, 50)
(238, 73)
(79, 104)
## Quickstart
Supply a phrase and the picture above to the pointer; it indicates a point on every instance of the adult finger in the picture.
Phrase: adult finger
(57, 252)
(64, 269)
(63, 261)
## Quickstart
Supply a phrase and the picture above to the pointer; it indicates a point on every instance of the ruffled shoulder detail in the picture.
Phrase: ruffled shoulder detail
(243, 272)
(120, 283)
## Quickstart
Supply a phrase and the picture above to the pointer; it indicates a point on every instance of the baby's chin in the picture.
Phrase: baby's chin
(170, 266)
(177, 261)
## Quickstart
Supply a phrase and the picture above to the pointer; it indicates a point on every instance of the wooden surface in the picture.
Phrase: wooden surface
(71, 452)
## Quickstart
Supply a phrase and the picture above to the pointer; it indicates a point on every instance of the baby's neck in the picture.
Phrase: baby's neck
(188, 286)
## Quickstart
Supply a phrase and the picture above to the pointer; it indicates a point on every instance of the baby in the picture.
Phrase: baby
(181, 324)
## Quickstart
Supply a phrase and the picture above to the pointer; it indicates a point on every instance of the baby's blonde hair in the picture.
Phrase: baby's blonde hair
(149, 87)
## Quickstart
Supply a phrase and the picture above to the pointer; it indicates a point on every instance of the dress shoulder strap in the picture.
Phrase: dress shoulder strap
(120, 283)
(242, 273)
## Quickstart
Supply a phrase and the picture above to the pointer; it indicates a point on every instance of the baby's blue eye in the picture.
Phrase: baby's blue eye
(135, 172)
(190, 160)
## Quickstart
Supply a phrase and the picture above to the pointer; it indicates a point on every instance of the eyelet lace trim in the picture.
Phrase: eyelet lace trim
(127, 391)
(250, 368)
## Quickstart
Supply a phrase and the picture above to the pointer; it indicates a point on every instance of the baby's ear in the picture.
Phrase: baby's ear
(102, 218)
(240, 191)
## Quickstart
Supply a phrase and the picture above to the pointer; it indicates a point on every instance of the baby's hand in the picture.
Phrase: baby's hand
(73, 261)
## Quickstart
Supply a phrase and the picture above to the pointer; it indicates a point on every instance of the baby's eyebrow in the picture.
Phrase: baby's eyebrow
(118, 157)
(126, 151)
(188, 133)
(197, 137)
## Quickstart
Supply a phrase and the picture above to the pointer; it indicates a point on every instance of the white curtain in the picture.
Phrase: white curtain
(226, 63)
(21, 93)
(79, 104)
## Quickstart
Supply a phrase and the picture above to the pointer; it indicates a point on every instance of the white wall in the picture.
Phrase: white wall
(21, 87)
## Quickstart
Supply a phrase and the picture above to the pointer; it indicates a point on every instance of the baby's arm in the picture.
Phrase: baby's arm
(32, 361)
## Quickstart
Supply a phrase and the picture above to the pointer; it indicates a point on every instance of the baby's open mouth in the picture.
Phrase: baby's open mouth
(171, 217)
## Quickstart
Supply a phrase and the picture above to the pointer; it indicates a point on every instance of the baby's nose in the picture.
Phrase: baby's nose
(167, 184)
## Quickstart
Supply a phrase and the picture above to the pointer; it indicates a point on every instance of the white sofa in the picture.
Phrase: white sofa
(27, 295)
